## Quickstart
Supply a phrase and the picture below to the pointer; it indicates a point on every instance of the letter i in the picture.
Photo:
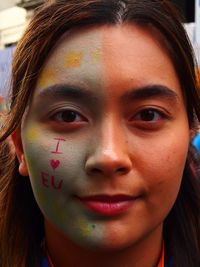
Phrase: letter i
(57, 146)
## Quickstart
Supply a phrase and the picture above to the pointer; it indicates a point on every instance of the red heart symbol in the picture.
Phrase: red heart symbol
(55, 163)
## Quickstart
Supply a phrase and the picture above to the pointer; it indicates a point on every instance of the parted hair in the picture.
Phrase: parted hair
(21, 222)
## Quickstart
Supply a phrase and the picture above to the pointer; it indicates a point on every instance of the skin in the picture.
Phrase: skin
(130, 135)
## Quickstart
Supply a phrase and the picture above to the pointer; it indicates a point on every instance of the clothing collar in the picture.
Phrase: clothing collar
(47, 262)
(162, 257)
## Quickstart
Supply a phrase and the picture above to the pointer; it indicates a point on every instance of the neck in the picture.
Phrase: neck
(146, 253)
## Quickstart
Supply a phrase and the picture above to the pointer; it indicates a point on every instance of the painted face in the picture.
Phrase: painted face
(105, 137)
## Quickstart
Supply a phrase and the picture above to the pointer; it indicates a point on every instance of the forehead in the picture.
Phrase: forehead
(126, 54)
(72, 53)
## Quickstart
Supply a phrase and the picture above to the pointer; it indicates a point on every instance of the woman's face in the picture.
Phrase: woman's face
(105, 137)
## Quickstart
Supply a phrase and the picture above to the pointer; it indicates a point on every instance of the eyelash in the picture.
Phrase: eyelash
(150, 111)
(147, 118)
(151, 124)
(59, 116)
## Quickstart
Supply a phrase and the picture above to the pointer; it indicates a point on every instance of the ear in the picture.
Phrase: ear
(17, 142)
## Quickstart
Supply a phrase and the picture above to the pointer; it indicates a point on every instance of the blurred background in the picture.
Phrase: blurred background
(14, 17)
(16, 14)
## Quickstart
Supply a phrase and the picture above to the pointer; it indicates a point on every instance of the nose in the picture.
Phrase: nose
(109, 154)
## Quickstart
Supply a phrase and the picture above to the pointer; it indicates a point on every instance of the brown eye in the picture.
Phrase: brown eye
(67, 116)
(149, 115)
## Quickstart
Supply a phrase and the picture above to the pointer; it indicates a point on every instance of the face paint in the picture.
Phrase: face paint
(73, 59)
(54, 164)
(58, 141)
(52, 179)
(112, 141)
(96, 56)
(32, 134)
(46, 78)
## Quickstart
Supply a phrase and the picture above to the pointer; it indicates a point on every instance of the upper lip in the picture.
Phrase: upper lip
(107, 198)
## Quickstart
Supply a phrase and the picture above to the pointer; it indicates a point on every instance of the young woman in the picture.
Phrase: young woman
(104, 99)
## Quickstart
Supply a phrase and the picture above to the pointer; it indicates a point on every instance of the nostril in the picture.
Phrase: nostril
(122, 170)
(95, 171)
(107, 165)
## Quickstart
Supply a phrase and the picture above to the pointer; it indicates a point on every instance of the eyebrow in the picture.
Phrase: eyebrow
(150, 91)
(67, 91)
(64, 91)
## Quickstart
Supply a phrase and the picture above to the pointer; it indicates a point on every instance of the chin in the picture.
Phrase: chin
(104, 245)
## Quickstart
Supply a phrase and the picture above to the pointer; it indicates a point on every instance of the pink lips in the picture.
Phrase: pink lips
(107, 205)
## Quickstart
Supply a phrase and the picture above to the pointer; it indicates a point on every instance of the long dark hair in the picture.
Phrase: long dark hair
(21, 223)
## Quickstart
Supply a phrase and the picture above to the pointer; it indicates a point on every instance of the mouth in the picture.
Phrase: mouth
(107, 205)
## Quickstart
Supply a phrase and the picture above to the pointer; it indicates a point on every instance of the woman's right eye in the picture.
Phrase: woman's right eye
(67, 116)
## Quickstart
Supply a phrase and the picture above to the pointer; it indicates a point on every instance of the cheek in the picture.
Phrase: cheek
(53, 161)
(55, 167)
(166, 153)
(164, 167)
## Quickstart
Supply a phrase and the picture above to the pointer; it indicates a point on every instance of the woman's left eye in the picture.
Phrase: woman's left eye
(67, 116)
(149, 115)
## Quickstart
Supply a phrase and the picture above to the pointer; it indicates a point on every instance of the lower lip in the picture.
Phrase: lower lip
(107, 208)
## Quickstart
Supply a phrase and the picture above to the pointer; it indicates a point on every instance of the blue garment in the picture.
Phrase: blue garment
(46, 264)
(196, 142)
(169, 262)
